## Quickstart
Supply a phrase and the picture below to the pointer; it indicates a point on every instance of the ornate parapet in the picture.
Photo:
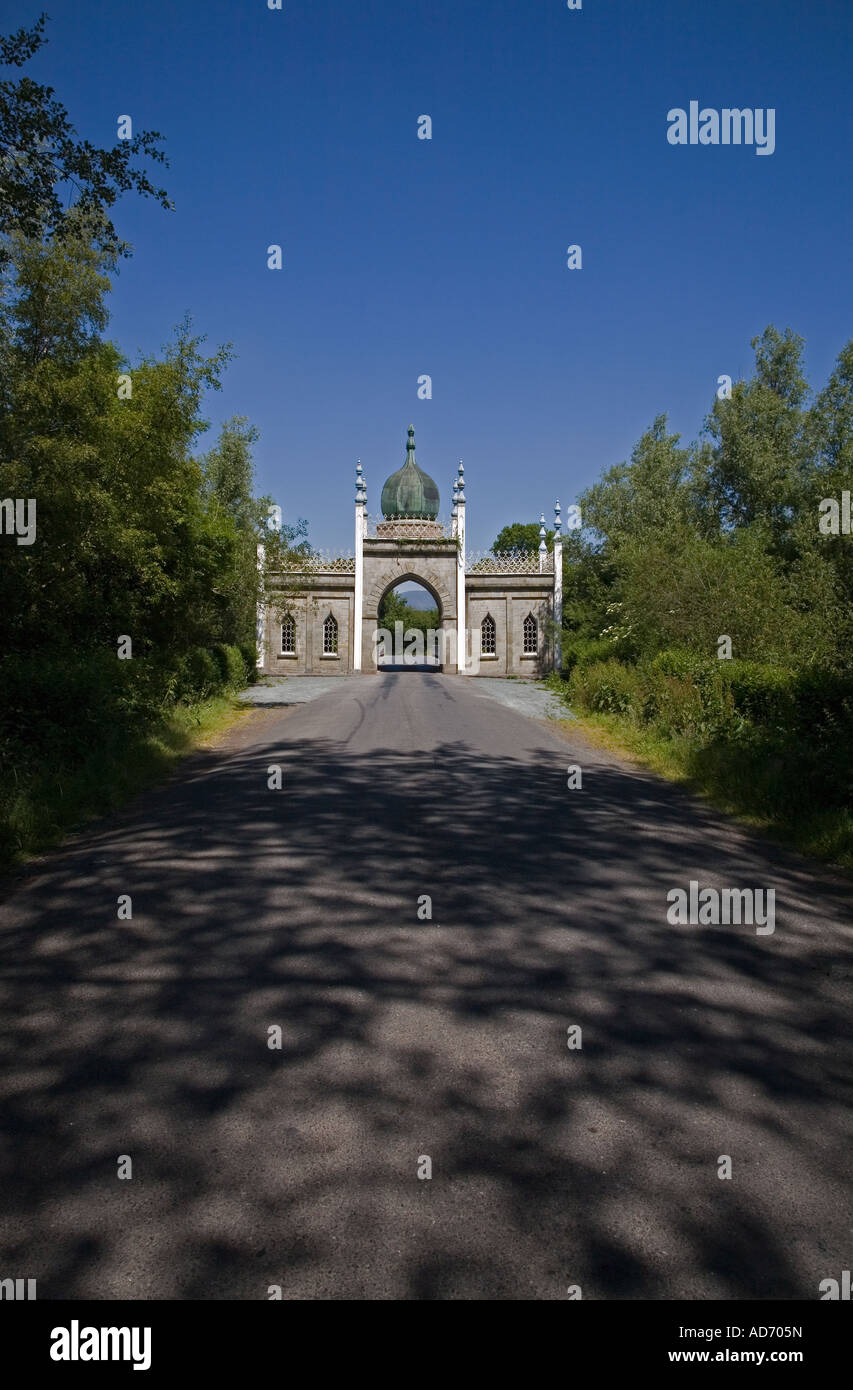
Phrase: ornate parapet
(412, 528)
(321, 562)
(527, 562)
(409, 530)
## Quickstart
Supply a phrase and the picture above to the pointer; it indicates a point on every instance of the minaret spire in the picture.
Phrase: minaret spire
(461, 608)
(410, 447)
(558, 590)
(360, 529)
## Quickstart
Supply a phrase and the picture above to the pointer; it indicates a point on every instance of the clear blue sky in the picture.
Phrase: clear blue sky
(447, 257)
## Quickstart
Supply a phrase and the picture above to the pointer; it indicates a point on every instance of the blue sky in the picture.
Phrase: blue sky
(448, 257)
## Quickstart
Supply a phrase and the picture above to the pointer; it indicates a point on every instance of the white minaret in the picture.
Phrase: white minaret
(261, 617)
(461, 635)
(558, 591)
(360, 529)
(543, 549)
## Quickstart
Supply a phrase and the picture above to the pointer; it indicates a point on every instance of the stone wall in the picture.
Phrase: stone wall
(508, 598)
(316, 597)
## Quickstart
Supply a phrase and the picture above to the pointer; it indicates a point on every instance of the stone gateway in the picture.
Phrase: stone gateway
(496, 613)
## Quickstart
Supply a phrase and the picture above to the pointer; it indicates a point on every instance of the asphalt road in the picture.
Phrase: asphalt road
(404, 1038)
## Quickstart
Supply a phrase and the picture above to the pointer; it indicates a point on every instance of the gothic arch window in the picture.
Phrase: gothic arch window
(488, 636)
(330, 636)
(288, 636)
(530, 636)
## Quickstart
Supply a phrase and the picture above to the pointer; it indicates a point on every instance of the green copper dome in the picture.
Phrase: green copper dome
(410, 492)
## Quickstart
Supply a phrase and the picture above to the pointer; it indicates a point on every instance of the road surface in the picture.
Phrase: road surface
(404, 1039)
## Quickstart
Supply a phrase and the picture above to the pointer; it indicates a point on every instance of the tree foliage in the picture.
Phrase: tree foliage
(521, 536)
(684, 544)
(43, 160)
(395, 608)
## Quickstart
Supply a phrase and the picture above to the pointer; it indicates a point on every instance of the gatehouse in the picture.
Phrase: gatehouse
(498, 615)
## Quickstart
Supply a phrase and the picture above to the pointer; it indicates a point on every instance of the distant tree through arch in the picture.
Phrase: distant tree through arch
(413, 605)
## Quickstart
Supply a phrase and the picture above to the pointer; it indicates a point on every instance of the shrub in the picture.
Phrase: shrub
(679, 662)
(607, 687)
(249, 653)
(583, 651)
(675, 706)
(823, 704)
(198, 675)
(70, 698)
(232, 666)
(762, 693)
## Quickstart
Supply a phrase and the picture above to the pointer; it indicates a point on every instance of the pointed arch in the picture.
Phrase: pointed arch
(488, 636)
(387, 582)
(330, 635)
(530, 636)
(288, 635)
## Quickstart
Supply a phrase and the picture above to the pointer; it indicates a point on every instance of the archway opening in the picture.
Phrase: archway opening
(410, 621)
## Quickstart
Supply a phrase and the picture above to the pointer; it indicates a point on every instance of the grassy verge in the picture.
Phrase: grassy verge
(757, 790)
(53, 801)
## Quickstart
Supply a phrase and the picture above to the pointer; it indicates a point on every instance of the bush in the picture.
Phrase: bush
(232, 666)
(583, 651)
(823, 703)
(762, 693)
(692, 694)
(681, 663)
(198, 675)
(249, 653)
(675, 706)
(70, 699)
(607, 687)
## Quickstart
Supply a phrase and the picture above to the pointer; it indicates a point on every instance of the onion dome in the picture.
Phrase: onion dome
(410, 493)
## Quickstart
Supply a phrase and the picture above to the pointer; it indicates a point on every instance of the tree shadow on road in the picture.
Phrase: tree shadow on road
(448, 1038)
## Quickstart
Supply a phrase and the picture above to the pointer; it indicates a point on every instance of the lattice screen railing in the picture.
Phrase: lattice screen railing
(511, 562)
(322, 562)
(410, 527)
(477, 562)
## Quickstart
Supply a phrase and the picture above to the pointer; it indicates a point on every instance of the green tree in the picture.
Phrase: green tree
(830, 425)
(41, 158)
(520, 535)
(652, 493)
(758, 439)
(125, 543)
(237, 519)
(395, 608)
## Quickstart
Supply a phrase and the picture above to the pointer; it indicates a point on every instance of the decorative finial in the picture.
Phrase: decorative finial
(542, 545)
(557, 522)
(410, 446)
